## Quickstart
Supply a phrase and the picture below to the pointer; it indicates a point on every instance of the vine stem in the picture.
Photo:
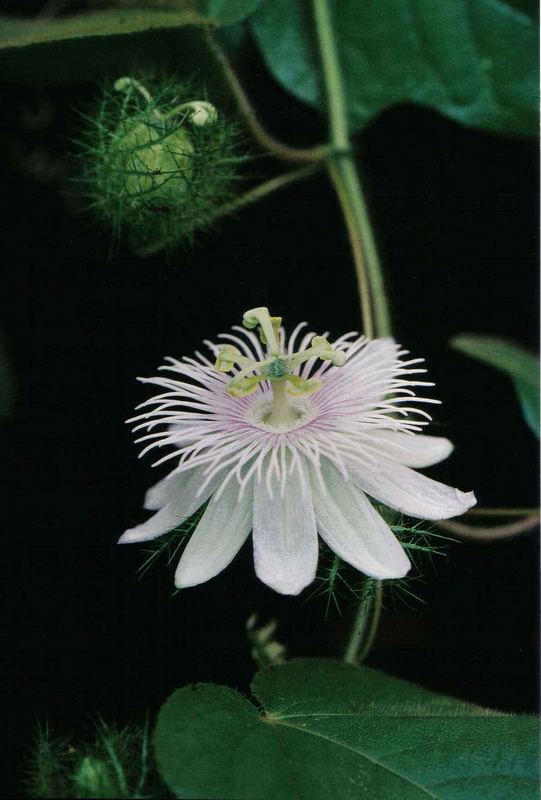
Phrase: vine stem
(356, 249)
(345, 179)
(374, 307)
(268, 142)
(267, 187)
(479, 511)
(491, 533)
(365, 627)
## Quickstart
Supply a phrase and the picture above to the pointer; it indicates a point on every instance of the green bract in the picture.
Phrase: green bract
(157, 168)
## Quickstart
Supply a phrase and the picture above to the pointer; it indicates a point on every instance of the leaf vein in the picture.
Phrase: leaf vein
(360, 753)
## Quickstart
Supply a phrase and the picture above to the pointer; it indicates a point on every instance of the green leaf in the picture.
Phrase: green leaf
(519, 364)
(326, 729)
(528, 396)
(100, 44)
(473, 60)
(181, 51)
(24, 32)
(21, 32)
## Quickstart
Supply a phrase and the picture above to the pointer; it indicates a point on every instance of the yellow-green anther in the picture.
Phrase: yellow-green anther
(227, 358)
(302, 386)
(240, 387)
(336, 357)
(269, 327)
(320, 348)
(327, 352)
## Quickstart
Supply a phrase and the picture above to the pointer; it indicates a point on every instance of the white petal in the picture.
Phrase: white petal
(352, 527)
(163, 491)
(221, 532)
(412, 450)
(285, 535)
(408, 491)
(181, 502)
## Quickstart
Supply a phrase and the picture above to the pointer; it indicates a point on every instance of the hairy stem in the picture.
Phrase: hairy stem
(374, 308)
(268, 142)
(372, 630)
(364, 627)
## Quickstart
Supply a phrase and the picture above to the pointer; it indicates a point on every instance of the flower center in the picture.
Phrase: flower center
(282, 412)
(262, 414)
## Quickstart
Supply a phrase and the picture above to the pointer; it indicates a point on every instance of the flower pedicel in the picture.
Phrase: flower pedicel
(289, 447)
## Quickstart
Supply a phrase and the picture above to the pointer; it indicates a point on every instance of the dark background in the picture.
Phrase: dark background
(455, 215)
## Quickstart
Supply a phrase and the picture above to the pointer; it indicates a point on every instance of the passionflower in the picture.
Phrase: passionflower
(296, 442)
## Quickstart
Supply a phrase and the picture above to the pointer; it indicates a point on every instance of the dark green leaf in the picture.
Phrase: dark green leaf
(181, 51)
(528, 396)
(21, 32)
(473, 60)
(519, 364)
(110, 43)
(24, 32)
(327, 729)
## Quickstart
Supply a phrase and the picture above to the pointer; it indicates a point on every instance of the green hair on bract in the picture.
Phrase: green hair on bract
(157, 166)
(336, 580)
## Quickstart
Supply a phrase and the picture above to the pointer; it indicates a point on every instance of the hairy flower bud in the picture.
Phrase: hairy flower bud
(157, 167)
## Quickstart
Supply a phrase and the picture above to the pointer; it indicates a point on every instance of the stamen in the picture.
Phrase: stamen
(277, 368)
